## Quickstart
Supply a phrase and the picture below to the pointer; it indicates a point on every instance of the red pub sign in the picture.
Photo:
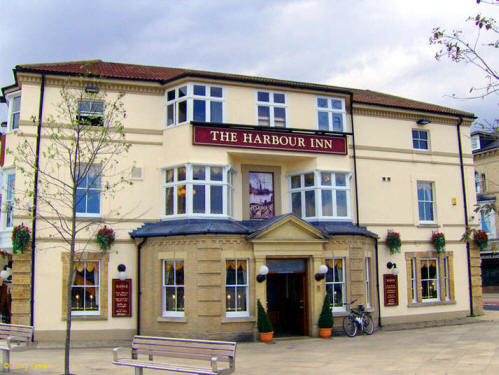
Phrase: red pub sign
(391, 288)
(122, 297)
(274, 140)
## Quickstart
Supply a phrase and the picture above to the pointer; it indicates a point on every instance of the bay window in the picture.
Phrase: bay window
(14, 103)
(331, 114)
(320, 194)
(198, 190)
(194, 102)
(236, 287)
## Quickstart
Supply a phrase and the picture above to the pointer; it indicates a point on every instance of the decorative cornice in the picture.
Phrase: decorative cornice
(409, 151)
(410, 115)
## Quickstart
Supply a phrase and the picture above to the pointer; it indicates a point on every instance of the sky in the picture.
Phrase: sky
(381, 45)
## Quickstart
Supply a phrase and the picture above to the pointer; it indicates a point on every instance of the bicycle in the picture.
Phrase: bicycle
(357, 320)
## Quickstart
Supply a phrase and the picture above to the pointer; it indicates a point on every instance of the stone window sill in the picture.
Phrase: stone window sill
(242, 319)
(427, 225)
(86, 317)
(171, 319)
(436, 303)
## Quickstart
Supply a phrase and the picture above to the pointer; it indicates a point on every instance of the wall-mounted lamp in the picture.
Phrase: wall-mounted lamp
(91, 89)
(423, 121)
(262, 273)
(393, 267)
(322, 272)
(122, 272)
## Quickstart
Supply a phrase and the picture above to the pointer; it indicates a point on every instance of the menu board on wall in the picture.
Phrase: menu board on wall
(391, 289)
(122, 298)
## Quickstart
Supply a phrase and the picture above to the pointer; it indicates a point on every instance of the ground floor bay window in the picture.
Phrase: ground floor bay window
(236, 287)
(173, 288)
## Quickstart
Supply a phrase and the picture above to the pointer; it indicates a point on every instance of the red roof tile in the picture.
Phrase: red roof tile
(165, 74)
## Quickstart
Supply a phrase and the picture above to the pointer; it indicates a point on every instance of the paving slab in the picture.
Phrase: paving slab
(447, 350)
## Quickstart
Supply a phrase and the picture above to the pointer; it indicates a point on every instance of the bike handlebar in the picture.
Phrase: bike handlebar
(355, 300)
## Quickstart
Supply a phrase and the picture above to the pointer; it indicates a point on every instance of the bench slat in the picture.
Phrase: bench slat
(171, 349)
(184, 343)
(163, 366)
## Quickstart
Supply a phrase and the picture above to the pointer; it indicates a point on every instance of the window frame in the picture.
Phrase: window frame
(189, 183)
(271, 104)
(428, 280)
(418, 139)
(318, 187)
(343, 307)
(367, 264)
(433, 202)
(330, 112)
(241, 313)
(97, 289)
(88, 189)
(168, 313)
(92, 117)
(7, 209)
(189, 99)
(10, 98)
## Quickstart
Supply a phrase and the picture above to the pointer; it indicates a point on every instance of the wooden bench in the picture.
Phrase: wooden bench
(14, 335)
(181, 350)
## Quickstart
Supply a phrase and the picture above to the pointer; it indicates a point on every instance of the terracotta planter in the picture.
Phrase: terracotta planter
(325, 332)
(266, 336)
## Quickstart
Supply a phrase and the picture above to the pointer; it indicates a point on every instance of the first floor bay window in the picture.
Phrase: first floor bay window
(236, 287)
(335, 283)
(320, 194)
(198, 190)
(85, 289)
(173, 288)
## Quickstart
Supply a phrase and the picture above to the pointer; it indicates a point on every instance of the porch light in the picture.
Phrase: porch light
(393, 267)
(122, 275)
(322, 272)
(262, 273)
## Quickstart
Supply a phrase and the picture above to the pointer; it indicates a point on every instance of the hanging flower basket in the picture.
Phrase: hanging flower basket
(393, 242)
(438, 241)
(105, 238)
(481, 238)
(20, 238)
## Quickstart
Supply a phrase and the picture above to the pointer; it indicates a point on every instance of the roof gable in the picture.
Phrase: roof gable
(287, 228)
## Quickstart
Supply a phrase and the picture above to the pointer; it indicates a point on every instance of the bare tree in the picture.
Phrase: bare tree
(81, 145)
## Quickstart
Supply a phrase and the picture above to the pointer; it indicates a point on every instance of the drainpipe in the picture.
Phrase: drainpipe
(377, 282)
(139, 292)
(354, 162)
(463, 185)
(35, 198)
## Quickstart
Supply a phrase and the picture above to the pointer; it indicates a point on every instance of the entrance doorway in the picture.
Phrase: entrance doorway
(287, 296)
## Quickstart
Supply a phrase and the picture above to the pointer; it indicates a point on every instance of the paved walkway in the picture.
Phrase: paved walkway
(450, 350)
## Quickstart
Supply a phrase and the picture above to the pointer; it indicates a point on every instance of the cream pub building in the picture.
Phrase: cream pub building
(232, 173)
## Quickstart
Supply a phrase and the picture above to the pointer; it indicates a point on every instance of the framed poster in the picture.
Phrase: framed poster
(122, 298)
(261, 195)
(391, 289)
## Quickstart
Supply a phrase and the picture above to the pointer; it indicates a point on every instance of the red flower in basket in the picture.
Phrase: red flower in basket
(105, 238)
(481, 238)
(438, 241)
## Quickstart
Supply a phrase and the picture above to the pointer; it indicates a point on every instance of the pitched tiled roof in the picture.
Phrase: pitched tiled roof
(165, 74)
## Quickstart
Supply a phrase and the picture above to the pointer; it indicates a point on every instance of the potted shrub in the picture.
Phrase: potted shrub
(326, 319)
(264, 324)
(105, 238)
(393, 242)
(438, 241)
(481, 238)
(20, 238)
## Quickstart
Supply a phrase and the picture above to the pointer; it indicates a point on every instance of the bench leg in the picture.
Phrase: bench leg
(139, 371)
(5, 360)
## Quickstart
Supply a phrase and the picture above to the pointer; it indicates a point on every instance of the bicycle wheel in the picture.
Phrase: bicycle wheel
(368, 325)
(349, 326)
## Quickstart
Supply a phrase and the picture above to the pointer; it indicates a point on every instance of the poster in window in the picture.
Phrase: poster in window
(261, 195)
